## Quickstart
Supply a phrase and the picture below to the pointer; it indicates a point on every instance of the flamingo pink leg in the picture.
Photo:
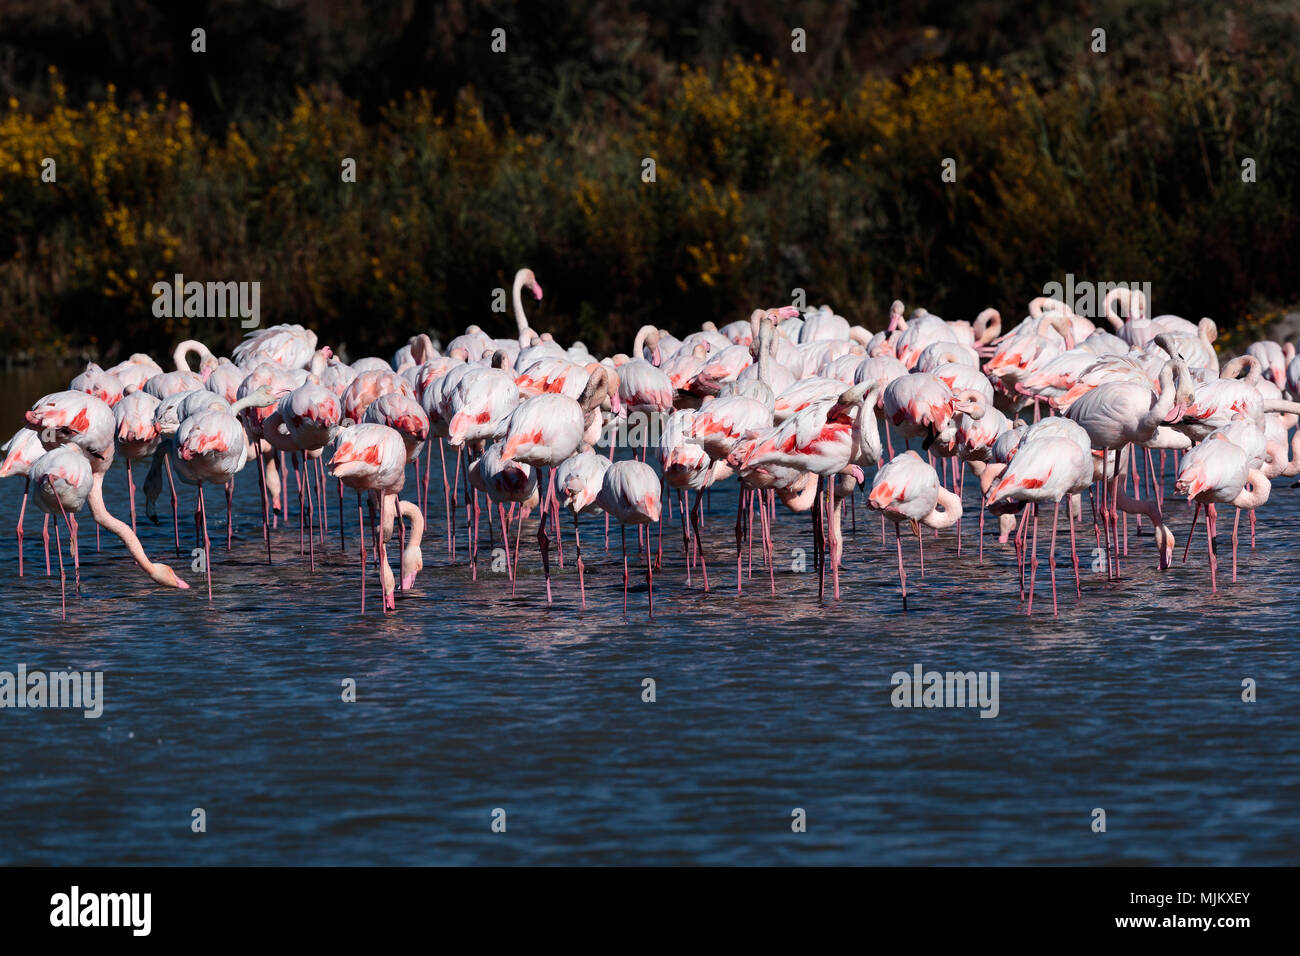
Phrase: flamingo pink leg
(1051, 553)
(130, 490)
(1190, 531)
(1074, 557)
(63, 577)
(696, 522)
(361, 543)
(1236, 522)
(22, 511)
(1033, 562)
(902, 575)
(202, 513)
(176, 521)
(1209, 538)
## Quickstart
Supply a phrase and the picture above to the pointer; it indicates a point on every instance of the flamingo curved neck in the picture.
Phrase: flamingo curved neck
(521, 320)
(946, 513)
(99, 512)
(181, 355)
(1256, 490)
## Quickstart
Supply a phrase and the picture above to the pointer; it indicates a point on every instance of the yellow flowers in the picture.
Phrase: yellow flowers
(755, 191)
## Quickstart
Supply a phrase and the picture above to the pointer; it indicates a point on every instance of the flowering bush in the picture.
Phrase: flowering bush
(755, 192)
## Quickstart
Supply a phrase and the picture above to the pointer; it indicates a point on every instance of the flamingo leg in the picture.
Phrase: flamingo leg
(697, 520)
(446, 490)
(740, 540)
(1051, 552)
(343, 541)
(207, 542)
(22, 511)
(361, 545)
(302, 511)
(1033, 562)
(543, 541)
(650, 577)
(323, 498)
(749, 534)
(902, 575)
(230, 511)
(686, 536)
(381, 553)
(455, 499)
(577, 544)
(473, 540)
(284, 499)
(667, 499)
(273, 486)
(518, 530)
(624, 530)
(130, 490)
(63, 577)
(311, 511)
(505, 535)
(74, 547)
(768, 551)
(1209, 540)
(1236, 522)
(428, 467)
(555, 517)
(45, 533)
(1074, 557)
(957, 489)
(171, 481)
(920, 541)
(836, 544)
(1190, 531)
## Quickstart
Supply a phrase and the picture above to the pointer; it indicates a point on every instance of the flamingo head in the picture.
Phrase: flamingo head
(533, 285)
(165, 576)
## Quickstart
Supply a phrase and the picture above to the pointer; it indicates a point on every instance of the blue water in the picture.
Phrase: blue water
(470, 699)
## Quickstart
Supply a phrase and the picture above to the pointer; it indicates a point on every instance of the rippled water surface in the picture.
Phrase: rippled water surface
(471, 699)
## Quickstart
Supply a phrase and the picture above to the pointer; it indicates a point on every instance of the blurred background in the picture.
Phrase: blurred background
(775, 170)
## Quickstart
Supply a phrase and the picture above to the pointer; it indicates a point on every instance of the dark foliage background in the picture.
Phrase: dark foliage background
(776, 170)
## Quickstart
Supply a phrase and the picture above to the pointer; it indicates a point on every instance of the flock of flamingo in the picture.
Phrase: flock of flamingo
(796, 406)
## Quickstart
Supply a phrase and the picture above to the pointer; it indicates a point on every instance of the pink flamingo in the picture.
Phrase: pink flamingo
(404, 415)
(908, 489)
(137, 435)
(290, 346)
(371, 457)
(918, 405)
(95, 381)
(1218, 471)
(88, 423)
(579, 480)
(213, 446)
(21, 451)
(1122, 413)
(502, 483)
(543, 431)
(1046, 468)
(630, 492)
(63, 482)
(135, 371)
(687, 467)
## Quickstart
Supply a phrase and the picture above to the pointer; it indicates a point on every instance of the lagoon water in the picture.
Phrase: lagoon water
(470, 699)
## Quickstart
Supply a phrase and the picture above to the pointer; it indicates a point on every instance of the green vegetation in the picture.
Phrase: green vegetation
(819, 171)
